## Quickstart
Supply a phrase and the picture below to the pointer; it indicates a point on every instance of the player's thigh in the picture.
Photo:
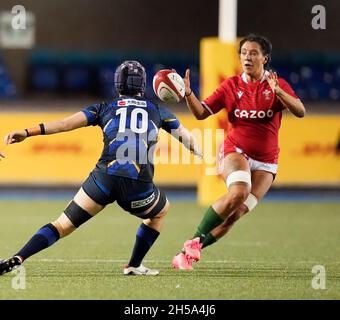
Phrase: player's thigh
(141, 199)
(83, 200)
(236, 174)
(261, 183)
(234, 162)
(97, 191)
(77, 212)
(163, 208)
(157, 209)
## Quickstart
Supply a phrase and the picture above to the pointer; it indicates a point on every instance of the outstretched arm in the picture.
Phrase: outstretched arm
(72, 122)
(184, 136)
(294, 105)
(194, 105)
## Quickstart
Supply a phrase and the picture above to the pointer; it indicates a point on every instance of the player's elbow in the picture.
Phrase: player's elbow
(302, 113)
(301, 110)
(201, 116)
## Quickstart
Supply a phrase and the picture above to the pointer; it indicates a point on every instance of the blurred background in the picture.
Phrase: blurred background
(65, 57)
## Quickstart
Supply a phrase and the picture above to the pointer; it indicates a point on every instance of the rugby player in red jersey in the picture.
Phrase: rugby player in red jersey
(254, 102)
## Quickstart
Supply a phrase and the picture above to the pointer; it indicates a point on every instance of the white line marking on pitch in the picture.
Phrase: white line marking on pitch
(167, 261)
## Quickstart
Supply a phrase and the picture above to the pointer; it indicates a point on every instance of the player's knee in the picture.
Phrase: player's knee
(250, 202)
(239, 176)
(64, 225)
(165, 209)
(161, 212)
(156, 222)
(238, 192)
(76, 214)
(160, 208)
(239, 196)
(236, 198)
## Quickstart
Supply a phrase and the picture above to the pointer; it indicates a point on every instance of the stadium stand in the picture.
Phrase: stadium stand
(314, 76)
(7, 87)
(74, 72)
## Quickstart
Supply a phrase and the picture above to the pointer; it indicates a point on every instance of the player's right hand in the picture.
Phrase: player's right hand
(186, 80)
(2, 156)
(15, 137)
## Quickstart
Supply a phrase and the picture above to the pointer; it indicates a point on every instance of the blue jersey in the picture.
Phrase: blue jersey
(130, 128)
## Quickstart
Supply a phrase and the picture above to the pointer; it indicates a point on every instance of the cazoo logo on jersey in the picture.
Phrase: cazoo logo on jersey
(253, 114)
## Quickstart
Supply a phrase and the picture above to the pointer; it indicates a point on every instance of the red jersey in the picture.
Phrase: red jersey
(254, 113)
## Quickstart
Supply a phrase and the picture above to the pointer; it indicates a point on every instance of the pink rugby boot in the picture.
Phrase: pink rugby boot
(181, 261)
(192, 248)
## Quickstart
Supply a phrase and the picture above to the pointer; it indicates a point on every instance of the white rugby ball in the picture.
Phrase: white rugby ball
(168, 86)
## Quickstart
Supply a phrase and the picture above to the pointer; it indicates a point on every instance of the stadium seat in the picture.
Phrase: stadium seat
(45, 78)
(76, 72)
(334, 94)
(44, 71)
(76, 78)
(7, 87)
(105, 81)
(336, 75)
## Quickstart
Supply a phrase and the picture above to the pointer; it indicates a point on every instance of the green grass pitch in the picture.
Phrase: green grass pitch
(269, 254)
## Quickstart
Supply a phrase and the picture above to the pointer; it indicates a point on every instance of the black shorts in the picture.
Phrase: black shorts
(133, 196)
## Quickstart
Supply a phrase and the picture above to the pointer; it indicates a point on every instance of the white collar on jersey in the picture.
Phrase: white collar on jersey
(265, 74)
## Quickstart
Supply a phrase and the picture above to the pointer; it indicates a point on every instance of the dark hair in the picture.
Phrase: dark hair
(265, 44)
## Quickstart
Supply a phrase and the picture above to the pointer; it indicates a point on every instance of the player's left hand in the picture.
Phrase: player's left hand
(15, 136)
(1, 155)
(273, 81)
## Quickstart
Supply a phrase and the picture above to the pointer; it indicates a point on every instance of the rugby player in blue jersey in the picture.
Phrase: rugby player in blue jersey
(124, 172)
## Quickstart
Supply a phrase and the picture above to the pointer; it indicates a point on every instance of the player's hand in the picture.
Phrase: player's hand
(2, 155)
(273, 81)
(199, 155)
(197, 152)
(15, 137)
(186, 80)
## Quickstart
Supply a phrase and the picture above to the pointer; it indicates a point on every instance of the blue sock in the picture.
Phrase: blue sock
(145, 238)
(44, 238)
